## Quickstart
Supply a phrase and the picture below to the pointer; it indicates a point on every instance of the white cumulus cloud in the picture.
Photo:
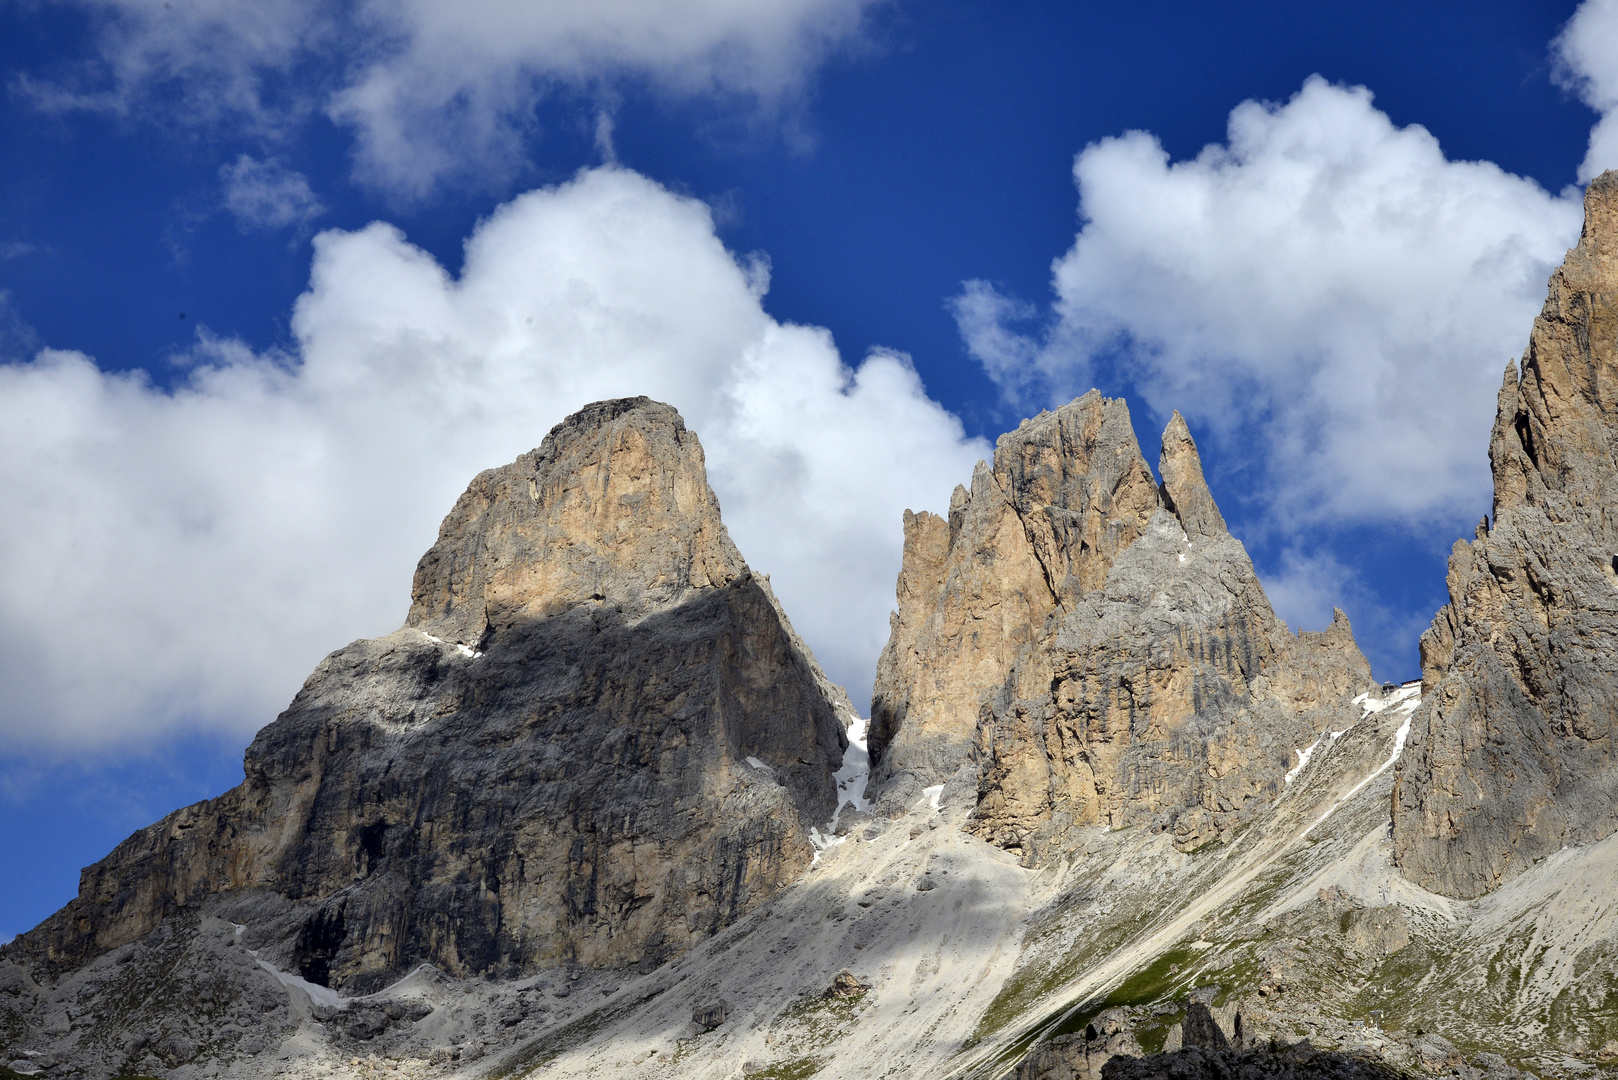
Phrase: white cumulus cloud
(431, 89)
(1326, 294)
(175, 559)
(1587, 55)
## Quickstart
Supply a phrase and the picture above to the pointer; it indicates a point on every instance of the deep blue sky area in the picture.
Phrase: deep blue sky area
(937, 150)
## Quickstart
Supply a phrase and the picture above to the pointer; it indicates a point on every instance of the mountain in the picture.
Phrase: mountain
(595, 741)
(1079, 644)
(594, 811)
(1512, 757)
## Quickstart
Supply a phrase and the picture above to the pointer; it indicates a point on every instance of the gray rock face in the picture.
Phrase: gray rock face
(1293, 1061)
(1200, 1030)
(548, 764)
(1096, 648)
(185, 994)
(1511, 755)
(1082, 1055)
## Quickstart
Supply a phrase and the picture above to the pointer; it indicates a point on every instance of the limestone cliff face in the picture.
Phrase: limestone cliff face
(1511, 755)
(613, 509)
(1067, 492)
(1099, 649)
(547, 764)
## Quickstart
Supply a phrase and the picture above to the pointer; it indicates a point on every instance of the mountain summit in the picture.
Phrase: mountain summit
(1512, 757)
(1081, 644)
(596, 741)
(586, 813)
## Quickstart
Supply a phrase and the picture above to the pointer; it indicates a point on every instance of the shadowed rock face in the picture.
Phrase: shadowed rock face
(1511, 754)
(546, 765)
(1081, 645)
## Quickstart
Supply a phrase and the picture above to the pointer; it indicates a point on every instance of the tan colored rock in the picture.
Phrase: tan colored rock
(617, 512)
(1148, 683)
(548, 764)
(1083, 1054)
(1185, 492)
(1067, 492)
(1511, 755)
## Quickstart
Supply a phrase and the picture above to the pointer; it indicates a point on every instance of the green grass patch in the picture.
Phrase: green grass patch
(796, 1069)
(1033, 982)
(1154, 982)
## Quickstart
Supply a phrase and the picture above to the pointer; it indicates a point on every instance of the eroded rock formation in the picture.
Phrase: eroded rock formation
(1511, 755)
(1067, 492)
(549, 763)
(1083, 645)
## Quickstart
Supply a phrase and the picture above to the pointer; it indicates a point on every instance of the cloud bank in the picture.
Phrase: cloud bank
(1587, 54)
(1325, 294)
(432, 90)
(182, 559)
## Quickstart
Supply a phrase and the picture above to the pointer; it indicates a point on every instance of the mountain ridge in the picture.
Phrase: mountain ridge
(596, 810)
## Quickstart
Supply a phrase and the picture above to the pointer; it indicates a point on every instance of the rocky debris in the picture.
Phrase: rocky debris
(1512, 754)
(1435, 1054)
(707, 1017)
(846, 985)
(1336, 929)
(1097, 648)
(1199, 1030)
(186, 993)
(1282, 1062)
(1438, 1056)
(547, 764)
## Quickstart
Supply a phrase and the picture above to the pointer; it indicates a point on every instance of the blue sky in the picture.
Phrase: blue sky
(280, 277)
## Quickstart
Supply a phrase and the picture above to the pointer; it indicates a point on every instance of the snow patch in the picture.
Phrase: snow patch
(1406, 697)
(1303, 761)
(1404, 700)
(469, 653)
(933, 793)
(757, 764)
(851, 780)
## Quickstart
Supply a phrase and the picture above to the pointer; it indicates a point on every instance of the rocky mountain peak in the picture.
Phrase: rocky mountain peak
(596, 742)
(1067, 492)
(1185, 492)
(1076, 627)
(1511, 756)
(613, 508)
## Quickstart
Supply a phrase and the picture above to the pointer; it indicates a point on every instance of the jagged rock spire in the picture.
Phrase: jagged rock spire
(1074, 627)
(1067, 493)
(1511, 755)
(1185, 492)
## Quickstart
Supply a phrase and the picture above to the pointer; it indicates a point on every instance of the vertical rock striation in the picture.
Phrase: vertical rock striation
(1511, 755)
(1083, 645)
(549, 763)
(1067, 492)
